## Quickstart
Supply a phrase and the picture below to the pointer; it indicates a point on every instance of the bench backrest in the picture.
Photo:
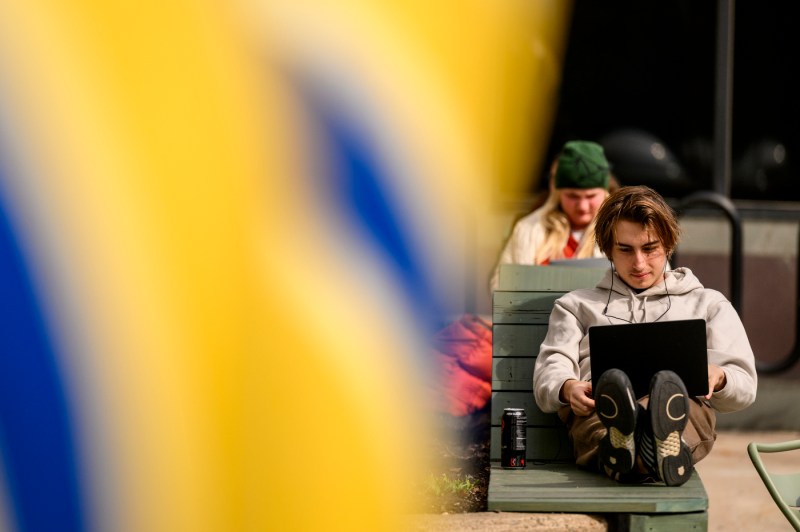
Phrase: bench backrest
(521, 310)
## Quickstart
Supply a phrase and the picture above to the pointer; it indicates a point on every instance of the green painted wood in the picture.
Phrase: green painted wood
(523, 307)
(518, 277)
(566, 488)
(512, 374)
(544, 444)
(665, 522)
(517, 340)
(522, 399)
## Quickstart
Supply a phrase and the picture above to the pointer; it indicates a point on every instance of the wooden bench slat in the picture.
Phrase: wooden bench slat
(522, 399)
(663, 522)
(523, 307)
(565, 488)
(517, 340)
(516, 277)
(512, 374)
(545, 444)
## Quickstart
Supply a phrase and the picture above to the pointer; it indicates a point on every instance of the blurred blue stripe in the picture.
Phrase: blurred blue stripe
(36, 440)
(359, 191)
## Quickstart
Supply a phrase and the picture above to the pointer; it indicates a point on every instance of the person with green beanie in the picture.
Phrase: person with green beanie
(562, 228)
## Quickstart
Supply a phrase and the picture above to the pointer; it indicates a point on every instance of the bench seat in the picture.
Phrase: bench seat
(551, 482)
(563, 487)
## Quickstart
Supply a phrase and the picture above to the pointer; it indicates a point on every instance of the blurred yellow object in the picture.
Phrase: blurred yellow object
(234, 357)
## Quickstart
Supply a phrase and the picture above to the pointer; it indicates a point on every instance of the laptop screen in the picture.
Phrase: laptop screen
(642, 349)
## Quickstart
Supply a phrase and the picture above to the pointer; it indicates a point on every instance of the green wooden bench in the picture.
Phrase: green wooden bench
(551, 482)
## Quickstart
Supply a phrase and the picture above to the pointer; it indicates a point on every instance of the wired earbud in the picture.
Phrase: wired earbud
(613, 271)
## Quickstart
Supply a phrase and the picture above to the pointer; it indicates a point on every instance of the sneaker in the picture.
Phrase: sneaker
(660, 444)
(616, 407)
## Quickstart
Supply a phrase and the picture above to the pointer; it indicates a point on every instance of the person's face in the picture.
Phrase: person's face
(638, 255)
(581, 205)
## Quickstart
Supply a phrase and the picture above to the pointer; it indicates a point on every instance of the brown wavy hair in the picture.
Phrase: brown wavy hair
(637, 204)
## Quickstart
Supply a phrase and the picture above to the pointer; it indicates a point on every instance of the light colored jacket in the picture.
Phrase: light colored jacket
(527, 236)
(564, 353)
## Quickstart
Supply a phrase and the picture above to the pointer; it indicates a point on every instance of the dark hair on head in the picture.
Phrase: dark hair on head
(637, 204)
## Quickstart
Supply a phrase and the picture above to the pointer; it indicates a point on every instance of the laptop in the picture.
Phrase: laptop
(591, 262)
(642, 349)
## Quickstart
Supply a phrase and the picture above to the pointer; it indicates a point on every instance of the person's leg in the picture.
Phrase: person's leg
(661, 445)
(585, 433)
(700, 432)
(605, 440)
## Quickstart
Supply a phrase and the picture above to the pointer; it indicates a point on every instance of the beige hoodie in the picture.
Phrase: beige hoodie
(564, 353)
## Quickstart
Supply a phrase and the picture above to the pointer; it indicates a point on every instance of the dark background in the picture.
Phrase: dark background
(638, 73)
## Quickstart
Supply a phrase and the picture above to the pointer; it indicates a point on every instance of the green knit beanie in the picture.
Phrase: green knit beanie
(582, 164)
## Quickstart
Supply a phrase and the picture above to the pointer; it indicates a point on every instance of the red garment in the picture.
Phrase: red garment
(463, 353)
(569, 250)
(571, 247)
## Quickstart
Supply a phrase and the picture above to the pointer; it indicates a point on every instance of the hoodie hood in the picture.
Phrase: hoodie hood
(626, 305)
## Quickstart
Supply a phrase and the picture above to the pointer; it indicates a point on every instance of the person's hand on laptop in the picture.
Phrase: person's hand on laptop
(578, 395)
(716, 380)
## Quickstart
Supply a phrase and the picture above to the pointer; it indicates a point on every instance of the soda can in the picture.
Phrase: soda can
(513, 438)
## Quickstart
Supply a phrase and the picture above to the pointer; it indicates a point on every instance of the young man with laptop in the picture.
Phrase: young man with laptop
(658, 434)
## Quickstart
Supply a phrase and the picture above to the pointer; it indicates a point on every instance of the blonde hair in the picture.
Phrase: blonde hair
(557, 227)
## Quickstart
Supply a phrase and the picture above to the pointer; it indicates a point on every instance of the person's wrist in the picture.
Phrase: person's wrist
(723, 381)
(562, 394)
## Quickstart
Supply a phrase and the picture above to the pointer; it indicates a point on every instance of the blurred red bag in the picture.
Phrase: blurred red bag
(463, 352)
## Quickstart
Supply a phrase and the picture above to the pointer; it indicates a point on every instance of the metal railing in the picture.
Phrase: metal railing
(715, 199)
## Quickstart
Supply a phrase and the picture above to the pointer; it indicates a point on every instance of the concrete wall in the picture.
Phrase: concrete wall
(769, 277)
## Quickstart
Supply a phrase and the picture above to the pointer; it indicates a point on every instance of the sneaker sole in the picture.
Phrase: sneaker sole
(669, 411)
(616, 408)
